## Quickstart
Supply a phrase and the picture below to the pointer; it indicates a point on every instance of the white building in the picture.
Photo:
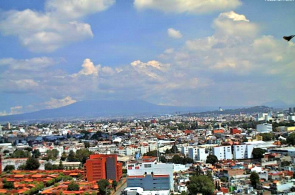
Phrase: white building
(223, 152)
(202, 155)
(152, 168)
(243, 151)
(264, 128)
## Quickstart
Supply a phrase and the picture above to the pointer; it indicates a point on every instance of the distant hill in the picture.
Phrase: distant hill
(102, 108)
(249, 110)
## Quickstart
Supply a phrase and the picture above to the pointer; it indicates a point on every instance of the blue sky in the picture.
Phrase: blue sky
(171, 52)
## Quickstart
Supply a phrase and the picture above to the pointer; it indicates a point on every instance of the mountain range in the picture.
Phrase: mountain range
(102, 108)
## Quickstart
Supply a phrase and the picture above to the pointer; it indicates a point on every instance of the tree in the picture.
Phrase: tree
(32, 164)
(102, 186)
(52, 154)
(48, 166)
(212, 159)
(73, 186)
(291, 139)
(82, 155)
(201, 184)
(20, 154)
(86, 144)
(36, 153)
(114, 185)
(63, 156)
(254, 178)
(72, 157)
(60, 166)
(151, 153)
(21, 167)
(258, 153)
(9, 168)
(7, 184)
(266, 136)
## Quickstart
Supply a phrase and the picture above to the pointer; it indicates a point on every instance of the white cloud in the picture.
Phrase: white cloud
(33, 64)
(187, 6)
(56, 103)
(174, 33)
(88, 68)
(74, 9)
(50, 30)
(13, 110)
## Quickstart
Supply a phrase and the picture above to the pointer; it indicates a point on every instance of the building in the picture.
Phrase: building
(243, 151)
(150, 176)
(235, 131)
(223, 152)
(103, 166)
(264, 128)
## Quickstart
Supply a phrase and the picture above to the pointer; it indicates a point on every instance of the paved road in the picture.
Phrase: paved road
(121, 188)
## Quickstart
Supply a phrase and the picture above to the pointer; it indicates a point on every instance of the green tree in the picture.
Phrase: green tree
(176, 159)
(151, 153)
(21, 167)
(72, 157)
(266, 136)
(60, 166)
(52, 154)
(212, 159)
(254, 178)
(20, 154)
(73, 186)
(7, 184)
(291, 139)
(114, 185)
(258, 153)
(48, 166)
(32, 164)
(9, 168)
(102, 186)
(63, 156)
(36, 153)
(201, 184)
(86, 144)
(82, 155)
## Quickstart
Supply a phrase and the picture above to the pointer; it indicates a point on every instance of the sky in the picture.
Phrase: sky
(168, 52)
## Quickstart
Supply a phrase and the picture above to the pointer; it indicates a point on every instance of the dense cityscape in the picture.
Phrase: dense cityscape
(206, 153)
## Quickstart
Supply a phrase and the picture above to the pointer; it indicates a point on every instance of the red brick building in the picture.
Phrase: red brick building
(103, 166)
(235, 131)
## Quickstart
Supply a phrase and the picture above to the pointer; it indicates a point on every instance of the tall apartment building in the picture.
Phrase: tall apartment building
(197, 154)
(103, 166)
(223, 152)
(243, 151)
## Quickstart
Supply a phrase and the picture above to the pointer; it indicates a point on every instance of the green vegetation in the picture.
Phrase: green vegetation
(73, 186)
(200, 184)
(7, 184)
(267, 136)
(254, 178)
(9, 168)
(176, 159)
(291, 139)
(212, 159)
(20, 154)
(102, 186)
(258, 153)
(32, 164)
(36, 153)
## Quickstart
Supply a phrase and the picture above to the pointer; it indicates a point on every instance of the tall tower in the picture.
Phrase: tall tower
(8, 125)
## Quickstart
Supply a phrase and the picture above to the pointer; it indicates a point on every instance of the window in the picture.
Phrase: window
(147, 165)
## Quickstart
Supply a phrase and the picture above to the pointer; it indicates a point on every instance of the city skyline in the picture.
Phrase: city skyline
(170, 52)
